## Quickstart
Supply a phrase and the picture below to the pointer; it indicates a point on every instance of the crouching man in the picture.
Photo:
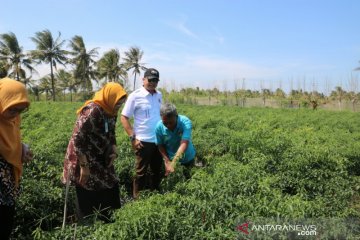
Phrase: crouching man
(173, 138)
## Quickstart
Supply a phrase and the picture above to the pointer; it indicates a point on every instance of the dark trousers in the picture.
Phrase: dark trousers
(101, 201)
(7, 214)
(147, 157)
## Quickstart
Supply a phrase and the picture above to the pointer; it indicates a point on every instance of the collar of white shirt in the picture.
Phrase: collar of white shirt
(145, 92)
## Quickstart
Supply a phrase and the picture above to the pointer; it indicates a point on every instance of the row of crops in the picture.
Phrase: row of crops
(260, 163)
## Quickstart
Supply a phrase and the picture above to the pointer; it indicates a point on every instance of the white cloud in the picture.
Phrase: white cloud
(181, 26)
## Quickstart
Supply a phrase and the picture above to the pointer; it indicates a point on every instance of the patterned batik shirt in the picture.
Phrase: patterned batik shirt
(8, 190)
(93, 135)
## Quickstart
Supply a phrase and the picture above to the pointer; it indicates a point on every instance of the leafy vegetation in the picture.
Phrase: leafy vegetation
(286, 163)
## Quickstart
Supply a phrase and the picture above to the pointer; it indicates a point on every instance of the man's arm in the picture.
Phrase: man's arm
(163, 153)
(185, 139)
(180, 152)
(126, 125)
(136, 144)
(167, 162)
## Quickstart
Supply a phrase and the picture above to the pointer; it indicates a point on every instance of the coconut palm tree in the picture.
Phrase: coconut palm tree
(66, 81)
(110, 68)
(83, 61)
(28, 81)
(63, 79)
(72, 86)
(45, 86)
(49, 51)
(36, 91)
(132, 61)
(4, 67)
(12, 53)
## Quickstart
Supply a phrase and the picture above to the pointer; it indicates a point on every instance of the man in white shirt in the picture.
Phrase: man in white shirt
(144, 106)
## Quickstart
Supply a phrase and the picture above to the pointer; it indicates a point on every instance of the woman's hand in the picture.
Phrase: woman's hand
(27, 154)
(84, 169)
(84, 174)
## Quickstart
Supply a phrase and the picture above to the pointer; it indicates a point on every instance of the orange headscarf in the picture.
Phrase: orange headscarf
(11, 93)
(107, 97)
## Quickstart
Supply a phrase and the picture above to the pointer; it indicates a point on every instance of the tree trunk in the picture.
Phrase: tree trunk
(134, 81)
(52, 80)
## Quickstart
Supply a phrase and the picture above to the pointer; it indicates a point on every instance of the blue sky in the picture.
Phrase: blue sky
(270, 43)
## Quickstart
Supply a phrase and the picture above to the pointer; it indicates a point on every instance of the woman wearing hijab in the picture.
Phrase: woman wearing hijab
(91, 151)
(13, 101)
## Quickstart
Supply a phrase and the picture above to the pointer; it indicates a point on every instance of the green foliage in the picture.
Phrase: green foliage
(259, 163)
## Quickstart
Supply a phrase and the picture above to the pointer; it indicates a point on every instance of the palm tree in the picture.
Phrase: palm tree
(109, 67)
(49, 50)
(12, 53)
(72, 86)
(45, 86)
(4, 68)
(63, 79)
(36, 91)
(83, 61)
(28, 81)
(66, 81)
(132, 61)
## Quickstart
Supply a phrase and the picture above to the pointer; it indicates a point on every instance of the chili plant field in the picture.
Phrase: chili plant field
(258, 163)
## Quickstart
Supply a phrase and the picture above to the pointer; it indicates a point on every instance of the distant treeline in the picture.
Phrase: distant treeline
(73, 81)
(79, 65)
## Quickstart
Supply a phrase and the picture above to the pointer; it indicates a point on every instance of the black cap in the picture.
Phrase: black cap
(151, 73)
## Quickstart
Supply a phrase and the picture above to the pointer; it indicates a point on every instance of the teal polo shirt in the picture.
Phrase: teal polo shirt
(172, 139)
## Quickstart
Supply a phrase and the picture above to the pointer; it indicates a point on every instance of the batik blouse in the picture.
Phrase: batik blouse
(93, 136)
(8, 190)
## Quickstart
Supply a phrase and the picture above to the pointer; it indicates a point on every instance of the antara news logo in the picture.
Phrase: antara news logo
(301, 229)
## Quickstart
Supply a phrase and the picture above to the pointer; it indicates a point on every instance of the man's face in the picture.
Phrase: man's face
(169, 122)
(150, 84)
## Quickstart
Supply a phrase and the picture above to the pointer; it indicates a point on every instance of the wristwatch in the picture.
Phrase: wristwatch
(132, 137)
